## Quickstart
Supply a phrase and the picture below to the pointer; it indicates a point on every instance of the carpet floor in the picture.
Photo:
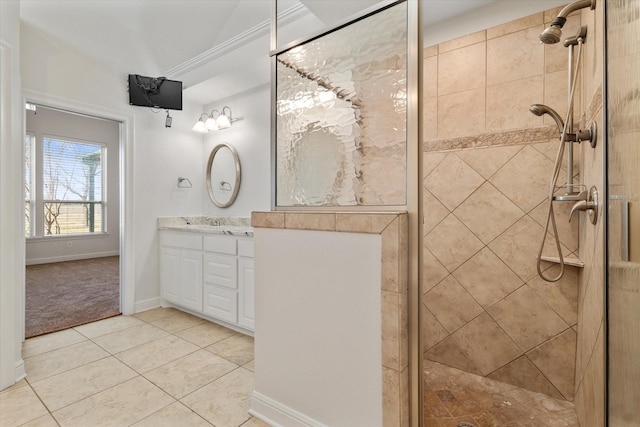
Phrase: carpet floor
(62, 295)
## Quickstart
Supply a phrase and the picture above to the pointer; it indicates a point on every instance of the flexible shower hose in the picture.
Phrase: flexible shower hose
(554, 179)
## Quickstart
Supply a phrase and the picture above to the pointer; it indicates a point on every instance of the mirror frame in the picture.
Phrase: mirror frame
(236, 187)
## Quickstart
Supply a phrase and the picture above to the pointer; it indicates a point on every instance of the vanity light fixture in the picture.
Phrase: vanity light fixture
(211, 121)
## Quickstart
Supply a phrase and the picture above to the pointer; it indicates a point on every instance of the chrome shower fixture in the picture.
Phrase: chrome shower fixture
(540, 110)
(552, 34)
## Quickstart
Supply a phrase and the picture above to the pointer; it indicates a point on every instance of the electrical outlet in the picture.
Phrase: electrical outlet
(69, 244)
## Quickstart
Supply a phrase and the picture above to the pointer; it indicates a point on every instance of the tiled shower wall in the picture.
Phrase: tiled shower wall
(590, 367)
(487, 166)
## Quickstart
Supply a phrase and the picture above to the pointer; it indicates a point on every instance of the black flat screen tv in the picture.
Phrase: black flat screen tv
(156, 92)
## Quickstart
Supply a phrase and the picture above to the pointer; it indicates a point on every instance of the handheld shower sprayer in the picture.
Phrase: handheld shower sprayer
(540, 110)
(552, 34)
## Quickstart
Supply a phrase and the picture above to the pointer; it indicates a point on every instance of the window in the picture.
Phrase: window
(29, 180)
(71, 194)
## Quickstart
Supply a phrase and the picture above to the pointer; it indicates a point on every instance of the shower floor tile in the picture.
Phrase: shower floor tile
(452, 396)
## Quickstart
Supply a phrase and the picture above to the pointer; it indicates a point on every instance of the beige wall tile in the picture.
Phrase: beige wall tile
(463, 41)
(527, 319)
(391, 331)
(517, 25)
(429, 118)
(523, 373)
(485, 344)
(374, 223)
(434, 211)
(568, 231)
(525, 178)
(562, 296)
(430, 77)
(267, 219)
(430, 51)
(515, 56)
(432, 331)
(431, 160)
(461, 113)
(432, 271)
(508, 104)
(451, 304)
(390, 397)
(556, 56)
(310, 221)
(556, 359)
(556, 92)
(487, 278)
(452, 243)
(487, 161)
(452, 181)
(462, 69)
(487, 212)
(449, 352)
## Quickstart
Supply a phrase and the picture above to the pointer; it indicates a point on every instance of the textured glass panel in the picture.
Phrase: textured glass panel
(341, 116)
(623, 102)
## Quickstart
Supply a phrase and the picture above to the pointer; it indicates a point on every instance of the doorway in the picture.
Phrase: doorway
(72, 219)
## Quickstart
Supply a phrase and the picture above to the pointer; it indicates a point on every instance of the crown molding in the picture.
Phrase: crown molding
(262, 29)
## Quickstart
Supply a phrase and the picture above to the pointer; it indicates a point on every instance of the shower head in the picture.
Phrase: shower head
(540, 110)
(552, 34)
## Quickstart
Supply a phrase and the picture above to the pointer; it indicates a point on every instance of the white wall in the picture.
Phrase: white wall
(54, 74)
(251, 138)
(49, 122)
(11, 210)
(318, 328)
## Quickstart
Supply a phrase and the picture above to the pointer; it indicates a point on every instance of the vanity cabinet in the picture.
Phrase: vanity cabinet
(209, 273)
(181, 269)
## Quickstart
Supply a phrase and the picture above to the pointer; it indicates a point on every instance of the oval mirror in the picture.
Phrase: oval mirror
(223, 175)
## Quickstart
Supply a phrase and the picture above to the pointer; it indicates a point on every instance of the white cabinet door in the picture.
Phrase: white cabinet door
(170, 274)
(246, 288)
(191, 275)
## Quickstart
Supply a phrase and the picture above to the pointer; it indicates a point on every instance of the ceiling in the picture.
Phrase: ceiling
(196, 41)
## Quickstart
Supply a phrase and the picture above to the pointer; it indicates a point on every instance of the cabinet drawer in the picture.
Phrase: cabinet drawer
(220, 244)
(179, 239)
(220, 270)
(245, 248)
(221, 303)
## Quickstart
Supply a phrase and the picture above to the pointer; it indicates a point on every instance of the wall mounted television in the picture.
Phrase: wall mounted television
(156, 92)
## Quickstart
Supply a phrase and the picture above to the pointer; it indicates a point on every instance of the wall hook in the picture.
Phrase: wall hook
(184, 182)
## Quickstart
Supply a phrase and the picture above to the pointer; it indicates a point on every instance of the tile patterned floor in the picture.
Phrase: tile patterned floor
(452, 396)
(158, 368)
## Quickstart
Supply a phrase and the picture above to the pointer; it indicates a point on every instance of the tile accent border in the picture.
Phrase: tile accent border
(492, 139)
(393, 228)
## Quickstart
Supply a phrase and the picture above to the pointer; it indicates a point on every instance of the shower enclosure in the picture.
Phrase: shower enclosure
(623, 232)
(499, 344)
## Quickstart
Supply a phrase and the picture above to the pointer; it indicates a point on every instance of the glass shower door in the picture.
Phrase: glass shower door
(623, 236)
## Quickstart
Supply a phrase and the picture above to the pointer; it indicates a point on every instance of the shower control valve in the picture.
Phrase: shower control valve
(590, 204)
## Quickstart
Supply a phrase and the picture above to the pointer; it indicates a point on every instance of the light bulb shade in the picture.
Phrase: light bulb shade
(223, 122)
(211, 124)
(200, 127)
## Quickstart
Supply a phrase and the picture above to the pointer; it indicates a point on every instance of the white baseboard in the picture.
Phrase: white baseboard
(20, 372)
(147, 304)
(74, 257)
(277, 414)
